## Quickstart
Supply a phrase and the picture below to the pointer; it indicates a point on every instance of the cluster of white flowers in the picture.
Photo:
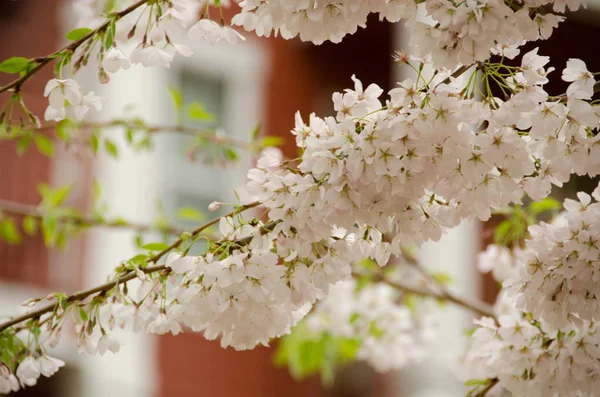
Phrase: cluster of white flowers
(454, 33)
(391, 335)
(65, 97)
(238, 292)
(560, 269)
(418, 164)
(467, 32)
(317, 20)
(530, 359)
(153, 45)
(28, 372)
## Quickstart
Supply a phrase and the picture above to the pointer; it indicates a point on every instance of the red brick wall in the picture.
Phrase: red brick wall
(29, 29)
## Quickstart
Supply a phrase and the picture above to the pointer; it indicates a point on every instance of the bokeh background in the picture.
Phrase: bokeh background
(262, 81)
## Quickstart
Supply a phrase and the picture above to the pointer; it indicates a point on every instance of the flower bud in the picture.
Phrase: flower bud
(103, 77)
(215, 205)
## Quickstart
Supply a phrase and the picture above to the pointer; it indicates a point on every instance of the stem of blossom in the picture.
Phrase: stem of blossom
(475, 306)
(43, 61)
(154, 129)
(457, 73)
(490, 386)
(78, 296)
(443, 293)
(23, 210)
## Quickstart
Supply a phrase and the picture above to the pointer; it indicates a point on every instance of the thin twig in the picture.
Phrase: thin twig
(43, 61)
(158, 128)
(23, 210)
(474, 305)
(78, 296)
(490, 386)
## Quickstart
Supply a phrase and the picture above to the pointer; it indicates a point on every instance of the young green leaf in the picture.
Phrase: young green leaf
(177, 97)
(109, 34)
(23, 144)
(231, 154)
(271, 141)
(77, 34)
(30, 225)
(189, 213)
(155, 246)
(196, 111)
(544, 205)
(14, 65)
(44, 145)
(111, 148)
(9, 232)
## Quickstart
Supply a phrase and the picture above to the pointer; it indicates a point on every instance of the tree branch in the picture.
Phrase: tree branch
(23, 210)
(43, 61)
(155, 129)
(78, 296)
(474, 305)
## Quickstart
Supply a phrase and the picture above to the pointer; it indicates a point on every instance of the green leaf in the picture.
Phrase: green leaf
(44, 145)
(95, 142)
(195, 111)
(111, 148)
(177, 97)
(96, 190)
(477, 382)
(376, 331)
(77, 34)
(30, 225)
(190, 213)
(23, 144)
(140, 258)
(63, 130)
(54, 197)
(271, 141)
(230, 154)
(305, 353)
(65, 59)
(109, 34)
(256, 132)
(544, 205)
(155, 246)
(9, 232)
(14, 65)
(83, 314)
(49, 230)
(109, 5)
(502, 231)
(441, 278)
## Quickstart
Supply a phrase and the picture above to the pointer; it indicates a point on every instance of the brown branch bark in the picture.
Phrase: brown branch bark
(473, 305)
(158, 128)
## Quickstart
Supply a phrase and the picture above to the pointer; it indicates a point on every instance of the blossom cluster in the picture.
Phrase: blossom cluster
(452, 33)
(468, 32)
(391, 334)
(559, 267)
(28, 372)
(65, 97)
(531, 359)
(317, 21)
(156, 44)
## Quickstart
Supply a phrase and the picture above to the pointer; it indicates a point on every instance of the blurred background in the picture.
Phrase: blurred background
(262, 81)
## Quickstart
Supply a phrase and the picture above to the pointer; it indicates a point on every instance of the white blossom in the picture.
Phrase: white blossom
(107, 342)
